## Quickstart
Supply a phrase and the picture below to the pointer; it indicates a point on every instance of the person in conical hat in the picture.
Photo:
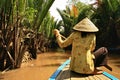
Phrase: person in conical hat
(84, 59)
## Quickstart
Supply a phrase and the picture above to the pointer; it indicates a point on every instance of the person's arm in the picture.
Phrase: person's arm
(63, 43)
(66, 42)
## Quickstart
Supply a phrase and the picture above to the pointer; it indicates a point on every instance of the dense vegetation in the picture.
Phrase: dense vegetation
(20, 22)
(26, 25)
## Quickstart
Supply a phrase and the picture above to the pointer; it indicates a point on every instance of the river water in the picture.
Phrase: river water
(46, 64)
(40, 69)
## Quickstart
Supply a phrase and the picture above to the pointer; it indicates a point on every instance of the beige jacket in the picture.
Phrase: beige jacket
(81, 56)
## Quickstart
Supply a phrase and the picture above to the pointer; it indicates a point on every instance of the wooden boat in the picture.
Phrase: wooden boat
(63, 73)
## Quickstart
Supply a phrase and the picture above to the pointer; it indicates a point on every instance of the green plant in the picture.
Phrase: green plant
(106, 17)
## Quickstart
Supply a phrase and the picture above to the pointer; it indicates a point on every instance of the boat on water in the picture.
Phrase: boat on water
(63, 73)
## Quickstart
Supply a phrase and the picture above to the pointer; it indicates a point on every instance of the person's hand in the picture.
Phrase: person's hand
(56, 32)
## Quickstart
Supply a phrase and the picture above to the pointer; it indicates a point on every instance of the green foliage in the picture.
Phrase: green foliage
(69, 21)
(48, 25)
(2, 3)
(14, 16)
(21, 6)
(29, 17)
(84, 11)
(42, 11)
(107, 18)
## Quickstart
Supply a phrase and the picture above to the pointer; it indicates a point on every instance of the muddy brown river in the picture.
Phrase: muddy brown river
(45, 65)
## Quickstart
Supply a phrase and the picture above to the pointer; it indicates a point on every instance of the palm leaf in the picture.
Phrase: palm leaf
(43, 13)
(113, 5)
(65, 17)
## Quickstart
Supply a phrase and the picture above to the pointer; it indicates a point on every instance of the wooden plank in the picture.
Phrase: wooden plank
(102, 77)
(95, 78)
(86, 78)
(90, 78)
(77, 78)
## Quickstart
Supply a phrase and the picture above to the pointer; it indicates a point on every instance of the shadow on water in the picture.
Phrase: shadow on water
(57, 57)
(118, 66)
(1, 76)
(51, 65)
(114, 56)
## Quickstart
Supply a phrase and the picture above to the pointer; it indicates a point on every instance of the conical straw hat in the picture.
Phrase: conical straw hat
(86, 26)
